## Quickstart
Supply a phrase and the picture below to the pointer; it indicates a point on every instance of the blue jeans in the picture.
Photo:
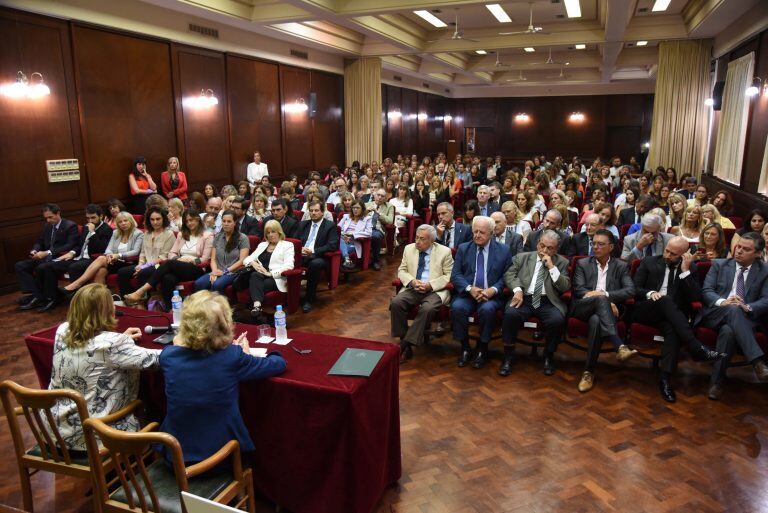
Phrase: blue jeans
(221, 283)
(346, 248)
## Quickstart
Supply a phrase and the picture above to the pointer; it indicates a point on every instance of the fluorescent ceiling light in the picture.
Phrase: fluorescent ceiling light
(480, 52)
(573, 8)
(529, 49)
(430, 18)
(660, 5)
(581, 46)
(641, 43)
(499, 13)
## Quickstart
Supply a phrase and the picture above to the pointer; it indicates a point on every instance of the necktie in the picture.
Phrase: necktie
(649, 250)
(448, 237)
(740, 282)
(591, 253)
(422, 262)
(312, 235)
(671, 280)
(480, 269)
(53, 237)
(484, 211)
(537, 289)
(500, 239)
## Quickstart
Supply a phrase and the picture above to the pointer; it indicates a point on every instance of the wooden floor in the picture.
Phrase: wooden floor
(474, 442)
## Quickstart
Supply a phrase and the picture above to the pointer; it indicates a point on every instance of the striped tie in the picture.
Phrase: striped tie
(537, 289)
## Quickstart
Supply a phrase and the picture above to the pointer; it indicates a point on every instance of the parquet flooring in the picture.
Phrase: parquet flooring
(473, 442)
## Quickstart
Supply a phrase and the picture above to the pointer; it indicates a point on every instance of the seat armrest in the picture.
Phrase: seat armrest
(119, 414)
(211, 461)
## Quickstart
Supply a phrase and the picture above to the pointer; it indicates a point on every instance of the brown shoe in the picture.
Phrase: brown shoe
(406, 352)
(761, 370)
(624, 353)
(587, 381)
(715, 392)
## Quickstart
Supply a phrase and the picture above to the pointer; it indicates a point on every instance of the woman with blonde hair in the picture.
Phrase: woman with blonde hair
(677, 205)
(691, 226)
(710, 214)
(272, 256)
(173, 181)
(126, 242)
(175, 209)
(203, 370)
(91, 358)
(258, 208)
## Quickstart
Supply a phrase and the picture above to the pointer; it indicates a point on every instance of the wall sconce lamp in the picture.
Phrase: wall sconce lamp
(709, 102)
(296, 107)
(522, 118)
(395, 114)
(423, 116)
(754, 89)
(206, 98)
(448, 117)
(31, 88)
(576, 117)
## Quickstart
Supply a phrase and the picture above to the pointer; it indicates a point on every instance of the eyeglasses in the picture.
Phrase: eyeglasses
(600, 244)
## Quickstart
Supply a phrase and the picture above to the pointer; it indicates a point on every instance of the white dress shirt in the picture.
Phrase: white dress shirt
(554, 273)
(255, 172)
(665, 283)
(733, 285)
(602, 276)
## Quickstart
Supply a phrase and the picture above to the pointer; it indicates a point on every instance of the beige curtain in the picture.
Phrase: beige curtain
(362, 110)
(732, 132)
(762, 187)
(679, 130)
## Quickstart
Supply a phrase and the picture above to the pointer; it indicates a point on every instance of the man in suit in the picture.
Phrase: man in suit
(536, 279)
(506, 237)
(477, 278)
(59, 236)
(318, 236)
(94, 239)
(485, 207)
(383, 216)
(581, 243)
(689, 188)
(281, 214)
(600, 284)
(449, 232)
(634, 215)
(246, 224)
(497, 198)
(425, 271)
(648, 241)
(665, 287)
(735, 295)
(552, 221)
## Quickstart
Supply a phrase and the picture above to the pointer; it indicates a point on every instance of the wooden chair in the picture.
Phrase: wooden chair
(147, 483)
(50, 453)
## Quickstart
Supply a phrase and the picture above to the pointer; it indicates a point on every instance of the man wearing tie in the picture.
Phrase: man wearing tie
(425, 271)
(665, 287)
(536, 279)
(646, 242)
(318, 236)
(506, 236)
(477, 279)
(59, 236)
(735, 294)
(600, 284)
(581, 243)
(449, 232)
(485, 207)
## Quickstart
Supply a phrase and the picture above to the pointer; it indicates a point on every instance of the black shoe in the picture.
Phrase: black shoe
(376, 266)
(23, 300)
(306, 307)
(506, 367)
(66, 294)
(479, 361)
(32, 303)
(406, 352)
(549, 365)
(49, 305)
(667, 392)
(464, 358)
(705, 354)
(715, 392)
(348, 264)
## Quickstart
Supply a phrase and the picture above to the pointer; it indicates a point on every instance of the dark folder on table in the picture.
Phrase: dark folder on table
(356, 362)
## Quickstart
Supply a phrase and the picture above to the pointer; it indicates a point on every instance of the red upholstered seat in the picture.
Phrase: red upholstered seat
(289, 299)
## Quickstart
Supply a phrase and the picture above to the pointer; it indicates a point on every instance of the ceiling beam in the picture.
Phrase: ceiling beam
(580, 59)
(618, 14)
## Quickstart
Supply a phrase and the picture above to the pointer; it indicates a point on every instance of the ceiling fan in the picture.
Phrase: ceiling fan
(561, 76)
(520, 78)
(498, 64)
(457, 34)
(530, 30)
(550, 61)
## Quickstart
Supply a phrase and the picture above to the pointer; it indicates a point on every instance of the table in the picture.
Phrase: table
(324, 444)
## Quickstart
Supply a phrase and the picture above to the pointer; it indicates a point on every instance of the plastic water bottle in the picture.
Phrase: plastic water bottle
(176, 307)
(281, 333)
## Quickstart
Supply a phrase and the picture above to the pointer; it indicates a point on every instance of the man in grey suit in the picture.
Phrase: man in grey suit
(537, 279)
(600, 284)
(506, 236)
(648, 241)
(735, 295)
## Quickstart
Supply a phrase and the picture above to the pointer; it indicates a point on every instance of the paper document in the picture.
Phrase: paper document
(261, 352)
(283, 342)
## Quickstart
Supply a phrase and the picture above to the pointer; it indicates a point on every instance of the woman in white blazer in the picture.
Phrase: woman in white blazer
(272, 256)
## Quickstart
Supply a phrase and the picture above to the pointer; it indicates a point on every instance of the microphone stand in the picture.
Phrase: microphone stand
(165, 338)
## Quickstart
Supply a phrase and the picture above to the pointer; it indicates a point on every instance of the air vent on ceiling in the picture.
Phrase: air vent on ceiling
(300, 55)
(204, 31)
(424, 84)
(397, 78)
(436, 11)
(643, 9)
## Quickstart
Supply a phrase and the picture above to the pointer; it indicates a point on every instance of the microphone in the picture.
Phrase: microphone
(157, 329)
(168, 331)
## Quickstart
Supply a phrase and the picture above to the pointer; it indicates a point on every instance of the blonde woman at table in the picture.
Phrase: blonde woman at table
(93, 359)
(202, 370)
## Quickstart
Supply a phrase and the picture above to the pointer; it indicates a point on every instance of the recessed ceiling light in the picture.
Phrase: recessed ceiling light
(660, 5)
(480, 52)
(499, 13)
(529, 49)
(573, 8)
(430, 18)
(581, 47)
(641, 43)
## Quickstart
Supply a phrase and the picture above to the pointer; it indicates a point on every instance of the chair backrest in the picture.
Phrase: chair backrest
(139, 219)
(253, 241)
(623, 230)
(738, 222)
(130, 454)
(634, 265)
(296, 252)
(728, 232)
(298, 214)
(702, 267)
(35, 406)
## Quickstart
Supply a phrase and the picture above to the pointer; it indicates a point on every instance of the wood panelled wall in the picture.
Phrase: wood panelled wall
(615, 124)
(115, 96)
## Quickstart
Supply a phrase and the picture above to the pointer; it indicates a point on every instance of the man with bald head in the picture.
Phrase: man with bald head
(514, 241)
(665, 287)
(581, 243)
(552, 221)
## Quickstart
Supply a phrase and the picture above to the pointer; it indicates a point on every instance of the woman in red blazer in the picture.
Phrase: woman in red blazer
(173, 181)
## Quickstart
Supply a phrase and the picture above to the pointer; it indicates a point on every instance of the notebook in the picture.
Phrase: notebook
(195, 504)
(356, 362)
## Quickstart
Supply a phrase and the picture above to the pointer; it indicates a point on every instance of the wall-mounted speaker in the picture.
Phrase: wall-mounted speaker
(717, 95)
(312, 105)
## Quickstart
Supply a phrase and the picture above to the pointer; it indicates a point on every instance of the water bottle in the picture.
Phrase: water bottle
(176, 307)
(281, 332)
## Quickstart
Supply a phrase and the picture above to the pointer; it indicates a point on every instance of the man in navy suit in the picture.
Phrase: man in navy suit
(59, 236)
(485, 207)
(280, 214)
(478, 279)
(735, 294)
(513, 240)
(318, 236)
(449, 232)
(247, 225)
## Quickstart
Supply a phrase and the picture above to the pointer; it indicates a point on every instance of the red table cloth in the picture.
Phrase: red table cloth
(324, 444)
